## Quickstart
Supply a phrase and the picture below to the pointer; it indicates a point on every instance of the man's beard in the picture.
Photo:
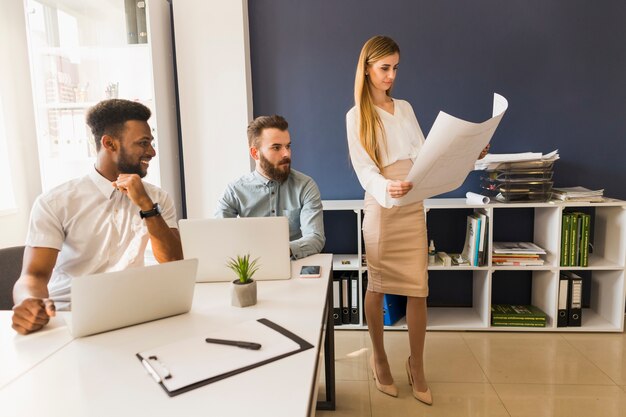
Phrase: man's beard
(276, 172)
(126, 166)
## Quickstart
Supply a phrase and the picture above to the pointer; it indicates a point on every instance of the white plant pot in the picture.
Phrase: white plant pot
(243, 295)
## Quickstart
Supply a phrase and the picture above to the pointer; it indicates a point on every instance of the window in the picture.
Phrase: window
(80, 53)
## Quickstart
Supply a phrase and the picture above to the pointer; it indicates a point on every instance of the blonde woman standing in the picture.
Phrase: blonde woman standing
(384, 138)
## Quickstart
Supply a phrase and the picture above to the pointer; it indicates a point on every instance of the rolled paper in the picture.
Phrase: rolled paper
(476, 199)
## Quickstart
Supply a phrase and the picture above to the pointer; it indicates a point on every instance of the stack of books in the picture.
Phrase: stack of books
(575, 239)
(507, 315)
(578, 194)
(475, 246)
(517, 254)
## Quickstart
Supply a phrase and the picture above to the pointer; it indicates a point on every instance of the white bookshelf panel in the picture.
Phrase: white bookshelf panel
(596, 262)
(340, 265)
(481, 295)
(456, 318)
(593, 322)
(547, 233)
(399, 325)
(607, 299)
(545, 294)
(609, 238)
(523, 268)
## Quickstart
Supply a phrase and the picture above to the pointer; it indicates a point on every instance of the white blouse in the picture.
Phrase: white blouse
(404, 140)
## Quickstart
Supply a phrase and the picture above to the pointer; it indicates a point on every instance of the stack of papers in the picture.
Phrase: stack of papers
(578, 194)
(517, 254)
(493, 161)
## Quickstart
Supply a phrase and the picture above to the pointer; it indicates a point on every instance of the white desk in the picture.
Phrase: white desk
(100, 375)
(19, 354)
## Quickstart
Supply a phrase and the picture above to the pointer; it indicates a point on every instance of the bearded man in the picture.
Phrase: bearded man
(274, 189)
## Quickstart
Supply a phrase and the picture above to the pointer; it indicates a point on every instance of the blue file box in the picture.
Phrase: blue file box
(394, 308)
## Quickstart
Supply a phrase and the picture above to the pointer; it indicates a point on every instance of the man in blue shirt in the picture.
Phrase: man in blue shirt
(274, 189)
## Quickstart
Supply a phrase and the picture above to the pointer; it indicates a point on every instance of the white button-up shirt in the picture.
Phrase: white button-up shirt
(95, 227)
(404, 139)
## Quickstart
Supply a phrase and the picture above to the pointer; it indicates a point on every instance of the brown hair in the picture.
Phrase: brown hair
(256, 127)
(369, 121)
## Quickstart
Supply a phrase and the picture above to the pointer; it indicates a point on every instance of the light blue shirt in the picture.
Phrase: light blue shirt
(297, 198)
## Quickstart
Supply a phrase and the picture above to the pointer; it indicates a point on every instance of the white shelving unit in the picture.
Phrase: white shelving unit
(607, 266)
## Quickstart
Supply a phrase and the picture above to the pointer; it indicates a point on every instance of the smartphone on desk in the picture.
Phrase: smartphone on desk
(310, 271)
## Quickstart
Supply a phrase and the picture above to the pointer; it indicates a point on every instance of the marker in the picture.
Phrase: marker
(238, 343)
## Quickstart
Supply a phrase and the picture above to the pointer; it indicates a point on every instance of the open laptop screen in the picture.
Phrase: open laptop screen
(214, 241)
(111, 300)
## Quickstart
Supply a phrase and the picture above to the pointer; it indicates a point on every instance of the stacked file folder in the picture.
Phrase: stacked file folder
(519, 179)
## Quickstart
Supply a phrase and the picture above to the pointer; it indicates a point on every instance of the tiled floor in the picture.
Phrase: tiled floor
(489, 374)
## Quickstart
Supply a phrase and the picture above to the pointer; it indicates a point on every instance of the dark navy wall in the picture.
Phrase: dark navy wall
(560, 63)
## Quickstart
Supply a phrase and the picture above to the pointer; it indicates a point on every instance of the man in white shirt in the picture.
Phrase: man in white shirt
(100, 222)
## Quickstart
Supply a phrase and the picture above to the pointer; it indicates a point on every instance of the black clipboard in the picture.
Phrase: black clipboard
(303, 345)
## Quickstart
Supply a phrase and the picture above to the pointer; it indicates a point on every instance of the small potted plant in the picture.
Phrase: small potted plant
(243, 289)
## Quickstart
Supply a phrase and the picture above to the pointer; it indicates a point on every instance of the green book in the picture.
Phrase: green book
(573, 237)
(584, 241)
(517, 324)
(565, 228)
(516, 312)
(519, 319)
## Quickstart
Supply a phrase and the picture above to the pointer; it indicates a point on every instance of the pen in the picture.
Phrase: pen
(238, 343)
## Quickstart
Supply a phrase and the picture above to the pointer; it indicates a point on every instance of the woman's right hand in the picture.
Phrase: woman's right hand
(397, 189)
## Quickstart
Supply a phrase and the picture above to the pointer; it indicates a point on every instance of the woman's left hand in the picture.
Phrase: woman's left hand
(484, 152)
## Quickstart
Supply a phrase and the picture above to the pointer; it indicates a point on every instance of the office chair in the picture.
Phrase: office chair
(10, 269)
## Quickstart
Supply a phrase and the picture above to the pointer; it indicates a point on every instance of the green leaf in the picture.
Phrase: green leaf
(243, 267)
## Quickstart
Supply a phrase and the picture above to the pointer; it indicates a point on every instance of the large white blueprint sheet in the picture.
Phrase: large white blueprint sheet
(449, 153)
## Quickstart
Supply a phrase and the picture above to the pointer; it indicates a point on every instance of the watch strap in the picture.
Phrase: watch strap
(154, 211)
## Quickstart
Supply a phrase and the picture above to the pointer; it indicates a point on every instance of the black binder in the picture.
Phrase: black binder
(159, 370)
(345, 299)
(562, 316)
(337, 301)
(574, 302)
(354, 299)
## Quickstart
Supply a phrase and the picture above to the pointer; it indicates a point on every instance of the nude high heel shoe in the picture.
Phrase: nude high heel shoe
(390, 389)
(426, 397)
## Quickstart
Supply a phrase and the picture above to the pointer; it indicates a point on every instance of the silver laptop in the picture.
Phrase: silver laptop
(111, 300)
(214, 241)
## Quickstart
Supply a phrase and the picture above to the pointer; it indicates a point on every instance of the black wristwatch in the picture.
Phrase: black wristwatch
(154, 211)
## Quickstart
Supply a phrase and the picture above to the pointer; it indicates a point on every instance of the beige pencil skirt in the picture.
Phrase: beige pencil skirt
(396, 244)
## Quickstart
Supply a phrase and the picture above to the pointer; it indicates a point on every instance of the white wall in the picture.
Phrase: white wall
(19, 121)
(159, 27)
(215, 97)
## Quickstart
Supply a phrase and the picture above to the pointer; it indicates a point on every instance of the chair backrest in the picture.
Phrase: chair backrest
(10, 269)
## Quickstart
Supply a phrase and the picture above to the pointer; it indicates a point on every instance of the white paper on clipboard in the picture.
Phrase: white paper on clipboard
(187, 364)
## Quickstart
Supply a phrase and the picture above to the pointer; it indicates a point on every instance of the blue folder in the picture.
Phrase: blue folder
(394, 308)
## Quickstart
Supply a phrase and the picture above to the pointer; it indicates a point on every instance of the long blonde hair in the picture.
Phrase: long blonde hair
(374, 50)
